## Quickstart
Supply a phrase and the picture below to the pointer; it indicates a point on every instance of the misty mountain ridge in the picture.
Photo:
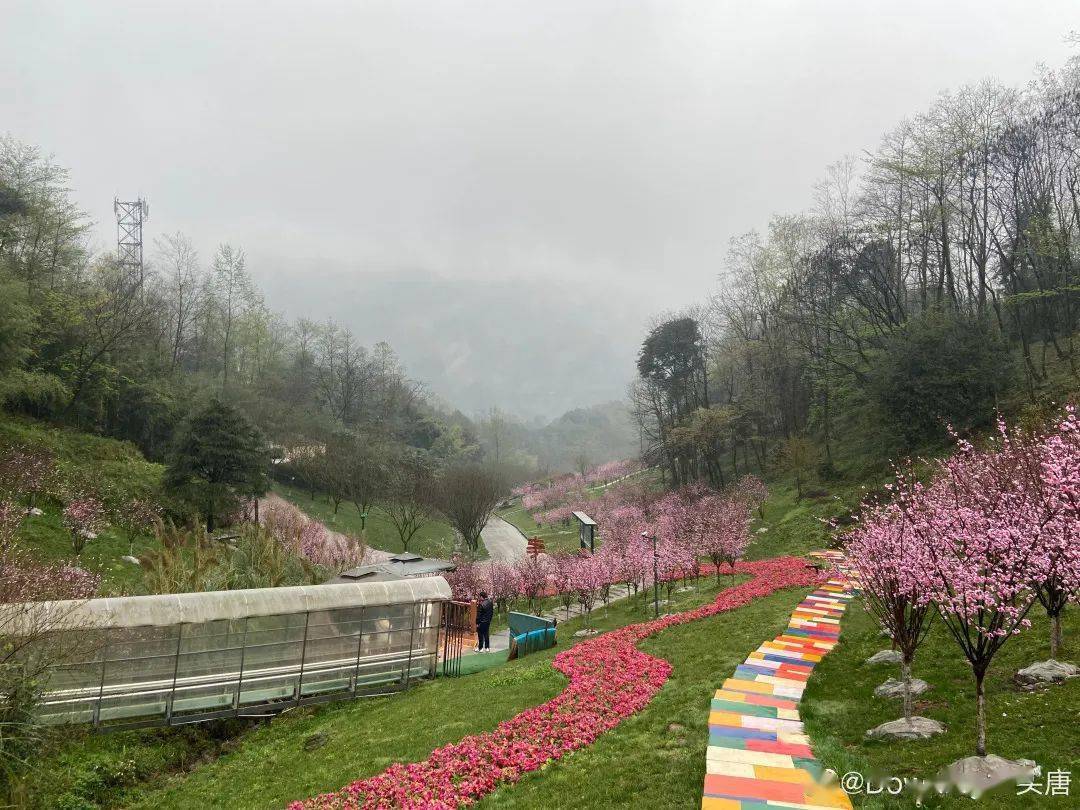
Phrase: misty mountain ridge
(538, 350)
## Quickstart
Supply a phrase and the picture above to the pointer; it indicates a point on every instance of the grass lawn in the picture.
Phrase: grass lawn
(839, 706)
(46, 538)
(268, 765)
(436, 539)
(796, 527)
(116, 471)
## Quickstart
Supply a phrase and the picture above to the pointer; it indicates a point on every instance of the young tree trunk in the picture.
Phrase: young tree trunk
(1055, 635)
(980, 715)
(905, 673)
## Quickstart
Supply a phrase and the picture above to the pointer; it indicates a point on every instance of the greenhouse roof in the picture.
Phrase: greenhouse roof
(181, 608)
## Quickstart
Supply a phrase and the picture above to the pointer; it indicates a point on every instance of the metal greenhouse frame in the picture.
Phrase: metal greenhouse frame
(186, 658)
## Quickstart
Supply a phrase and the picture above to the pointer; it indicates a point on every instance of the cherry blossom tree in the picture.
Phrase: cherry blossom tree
(136, 517)
(466, 580)
(891, 562)
(723, 524)
(587, 577)
(562, 578)
(534, 575)
(84, 518)
(11, 518)
(503, 583)
(1057, 489)
(752, 491)
(976, 528)
(28, 474)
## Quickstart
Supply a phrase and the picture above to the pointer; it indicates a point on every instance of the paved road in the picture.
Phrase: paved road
(503, 540)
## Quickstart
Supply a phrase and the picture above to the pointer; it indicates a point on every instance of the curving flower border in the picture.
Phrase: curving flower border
(610, 679)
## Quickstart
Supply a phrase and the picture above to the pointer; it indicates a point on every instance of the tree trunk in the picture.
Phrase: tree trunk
(1055, 635)
(905, 670)
(980, 714)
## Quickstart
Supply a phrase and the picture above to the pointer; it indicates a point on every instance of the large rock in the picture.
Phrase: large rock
(886, 657)
(918, 728)
(1046, 672)
(976, 775)
(894, 688)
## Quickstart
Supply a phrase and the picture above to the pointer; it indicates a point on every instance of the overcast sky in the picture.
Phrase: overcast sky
(572, 167)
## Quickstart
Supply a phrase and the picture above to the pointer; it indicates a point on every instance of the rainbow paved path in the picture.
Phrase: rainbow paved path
(758, 756)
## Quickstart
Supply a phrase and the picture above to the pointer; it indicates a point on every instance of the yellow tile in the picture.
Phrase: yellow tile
(715, 803)
(794, 775)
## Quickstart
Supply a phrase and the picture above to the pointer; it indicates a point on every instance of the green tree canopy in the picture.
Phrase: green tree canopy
(940, 369)
(218, 458)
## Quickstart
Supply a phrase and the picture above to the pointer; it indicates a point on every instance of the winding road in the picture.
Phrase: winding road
(504, 541)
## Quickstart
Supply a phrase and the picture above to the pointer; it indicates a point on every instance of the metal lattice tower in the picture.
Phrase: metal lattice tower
(129, 246)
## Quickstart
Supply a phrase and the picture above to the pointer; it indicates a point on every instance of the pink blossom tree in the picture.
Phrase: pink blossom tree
(976, 527)
(29, 474)
(586, 580)
(1055, 481)
(136, 517)
(752, 491)
(84, 517)
(11, 519)
(503, 583)
(563, 567)
(466, 580)
(723, 526)
(533, 575)
(891, 562)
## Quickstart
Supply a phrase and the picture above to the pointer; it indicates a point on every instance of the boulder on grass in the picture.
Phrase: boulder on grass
(918, 728)
(886, 657)
(1042, 673)
(976, 775)
(894, 688)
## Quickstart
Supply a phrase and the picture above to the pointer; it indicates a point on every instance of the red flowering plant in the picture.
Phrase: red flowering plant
(609, 680)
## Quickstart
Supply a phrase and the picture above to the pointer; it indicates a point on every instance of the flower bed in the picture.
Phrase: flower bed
(610, 679)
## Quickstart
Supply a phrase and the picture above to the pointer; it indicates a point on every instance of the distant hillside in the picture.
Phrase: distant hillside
(599, 433)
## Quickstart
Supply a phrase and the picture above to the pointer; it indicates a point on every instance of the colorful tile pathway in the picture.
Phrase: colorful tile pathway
(758, 756)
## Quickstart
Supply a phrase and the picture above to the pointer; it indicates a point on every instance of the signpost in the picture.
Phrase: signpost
(586, 531)
(535, 547)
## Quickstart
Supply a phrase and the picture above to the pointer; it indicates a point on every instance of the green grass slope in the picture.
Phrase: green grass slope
(115, 470)
(435, 539)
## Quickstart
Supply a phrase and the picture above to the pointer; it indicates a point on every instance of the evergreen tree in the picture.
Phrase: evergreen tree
(219, 457)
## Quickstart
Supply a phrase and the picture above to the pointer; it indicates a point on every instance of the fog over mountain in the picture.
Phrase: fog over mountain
(528, 346)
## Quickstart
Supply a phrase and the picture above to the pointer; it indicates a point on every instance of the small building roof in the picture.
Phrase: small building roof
(583, 518)
(405, 565)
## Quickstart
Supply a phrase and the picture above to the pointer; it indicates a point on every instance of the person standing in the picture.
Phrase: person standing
(484, 613)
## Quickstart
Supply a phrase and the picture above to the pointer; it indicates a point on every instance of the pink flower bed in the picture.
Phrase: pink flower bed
(610, 679)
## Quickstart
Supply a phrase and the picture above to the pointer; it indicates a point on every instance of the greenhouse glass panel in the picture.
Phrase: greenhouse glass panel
(174, 658)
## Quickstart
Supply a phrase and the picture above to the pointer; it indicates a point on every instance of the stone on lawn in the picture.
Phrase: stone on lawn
(886, 657)
(316, 740)
(586, 632)
(894, 688)
(129, 559)
(918, 728)
(1046, 672)
(976, 775)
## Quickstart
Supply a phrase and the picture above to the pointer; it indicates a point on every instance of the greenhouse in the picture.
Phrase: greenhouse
(182, 658)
